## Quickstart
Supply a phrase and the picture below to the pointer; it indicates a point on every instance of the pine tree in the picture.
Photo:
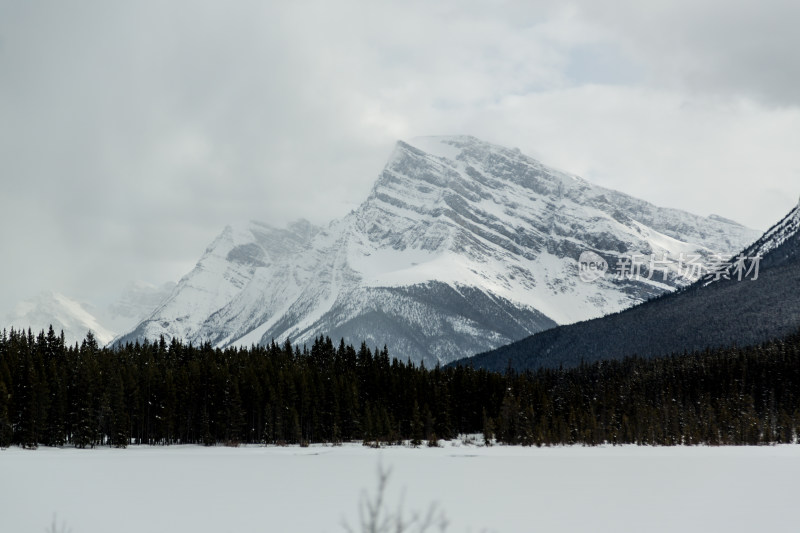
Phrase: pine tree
(26, 395)
(488, 429)
(234, 417)
(85, 414)
(417, 428)
(120, 425)
(5, 422)
(368, 426)
(508, 429)
(430, 423)
(296, 432)
(268, 436)
(56, 431)
(205, 429)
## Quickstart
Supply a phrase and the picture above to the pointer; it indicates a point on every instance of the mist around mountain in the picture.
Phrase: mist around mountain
(136, 301)
(75, 319)
(54, 309)
(461, 246)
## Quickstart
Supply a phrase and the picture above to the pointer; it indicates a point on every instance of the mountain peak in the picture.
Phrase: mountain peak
(447, 146)
(777, 235)
(723, 219)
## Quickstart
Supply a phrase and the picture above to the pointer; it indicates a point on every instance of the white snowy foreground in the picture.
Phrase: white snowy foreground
(504, 489)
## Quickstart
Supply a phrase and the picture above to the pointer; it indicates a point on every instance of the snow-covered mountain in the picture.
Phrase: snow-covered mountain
(461, 246)
(136, 303)
(63, 313)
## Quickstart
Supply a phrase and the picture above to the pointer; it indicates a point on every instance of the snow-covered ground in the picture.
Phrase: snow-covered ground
(504, 489)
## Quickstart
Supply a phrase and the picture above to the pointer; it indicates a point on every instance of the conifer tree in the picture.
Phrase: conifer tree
(5, 422)
(488, 429)
(84, 424)
(417, 428)
(508, 427)
(120, 423)
(430, 423)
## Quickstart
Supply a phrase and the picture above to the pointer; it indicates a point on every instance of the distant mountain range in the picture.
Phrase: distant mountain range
(461, 246)
(63, 313)
(75, 319)
(730, 308)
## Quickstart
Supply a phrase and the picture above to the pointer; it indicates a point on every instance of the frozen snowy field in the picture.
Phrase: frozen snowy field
(504, 489)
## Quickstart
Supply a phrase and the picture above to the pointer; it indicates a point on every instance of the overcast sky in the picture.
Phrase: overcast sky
(131, 133)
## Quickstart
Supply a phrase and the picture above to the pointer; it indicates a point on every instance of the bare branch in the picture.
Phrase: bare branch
(374, 517)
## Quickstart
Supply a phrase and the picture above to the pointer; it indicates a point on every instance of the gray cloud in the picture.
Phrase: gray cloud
(735, 48)
(131, 133)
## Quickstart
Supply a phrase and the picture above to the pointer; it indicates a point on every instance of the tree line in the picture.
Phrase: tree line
(161, 393)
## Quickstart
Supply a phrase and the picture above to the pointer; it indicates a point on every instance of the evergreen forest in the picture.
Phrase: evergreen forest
(161, 393)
